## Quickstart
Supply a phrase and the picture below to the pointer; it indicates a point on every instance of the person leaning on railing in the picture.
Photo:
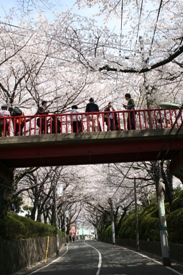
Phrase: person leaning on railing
(4, 122)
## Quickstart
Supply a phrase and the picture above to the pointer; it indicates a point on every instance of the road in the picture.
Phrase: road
(96, 258)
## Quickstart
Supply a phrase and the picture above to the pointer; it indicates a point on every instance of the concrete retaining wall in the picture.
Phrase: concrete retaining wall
(16, 255)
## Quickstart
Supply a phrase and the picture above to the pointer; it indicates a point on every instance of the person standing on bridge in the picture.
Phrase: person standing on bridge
(4, 122)
(93, 119)
(76, 123)
(131, 116)
(19, 124)
(42, 121)
(111, 118)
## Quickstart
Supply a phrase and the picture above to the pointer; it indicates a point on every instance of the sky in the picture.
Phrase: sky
(114, 24)
(60, 6)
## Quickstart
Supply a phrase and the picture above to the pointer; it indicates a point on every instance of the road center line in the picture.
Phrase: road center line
(100, 258)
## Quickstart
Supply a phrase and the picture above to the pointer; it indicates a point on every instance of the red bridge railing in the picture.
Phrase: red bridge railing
(30, 125)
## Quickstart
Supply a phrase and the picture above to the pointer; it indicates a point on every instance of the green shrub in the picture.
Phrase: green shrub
(149, 222)
(149, 228)
(109, 231)
(127, 231)
(175, 226)
(178, 201)
(17, 227)
(106, 233)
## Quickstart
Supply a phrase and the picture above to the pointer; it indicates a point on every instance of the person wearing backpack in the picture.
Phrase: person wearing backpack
(18, 121)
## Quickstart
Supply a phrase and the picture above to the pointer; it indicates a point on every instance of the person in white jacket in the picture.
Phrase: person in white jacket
(76, 123)
(4, 122)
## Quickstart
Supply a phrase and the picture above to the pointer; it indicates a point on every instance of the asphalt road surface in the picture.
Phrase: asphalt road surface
(96, 258)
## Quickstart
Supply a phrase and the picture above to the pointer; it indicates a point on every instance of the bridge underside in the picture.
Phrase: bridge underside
(91, 148)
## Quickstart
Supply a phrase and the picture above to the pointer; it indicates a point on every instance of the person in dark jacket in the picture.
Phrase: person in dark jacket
(92, 119)
(18, 121)
(91, 106)
(131, 116)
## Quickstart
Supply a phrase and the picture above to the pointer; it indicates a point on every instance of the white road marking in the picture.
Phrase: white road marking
(174, 270)
(54, 261)
(144, 256)
(100, 259)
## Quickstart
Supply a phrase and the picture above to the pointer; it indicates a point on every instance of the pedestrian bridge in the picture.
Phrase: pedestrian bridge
(158, 136)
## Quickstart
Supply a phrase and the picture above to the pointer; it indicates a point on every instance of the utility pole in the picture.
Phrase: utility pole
(136, 216)
(56, 217)
(161, 210)
(112, 221)
(65, 226)
(162, 217)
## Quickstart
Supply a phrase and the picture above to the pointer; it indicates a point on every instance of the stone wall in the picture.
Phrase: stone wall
(16, 255)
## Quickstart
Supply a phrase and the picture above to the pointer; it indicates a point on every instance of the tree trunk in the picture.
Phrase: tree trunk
(168, 181)
(6, 193)
(5, 200)
(33, 213)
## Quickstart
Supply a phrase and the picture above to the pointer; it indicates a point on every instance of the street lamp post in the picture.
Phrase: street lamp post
(136, 216)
